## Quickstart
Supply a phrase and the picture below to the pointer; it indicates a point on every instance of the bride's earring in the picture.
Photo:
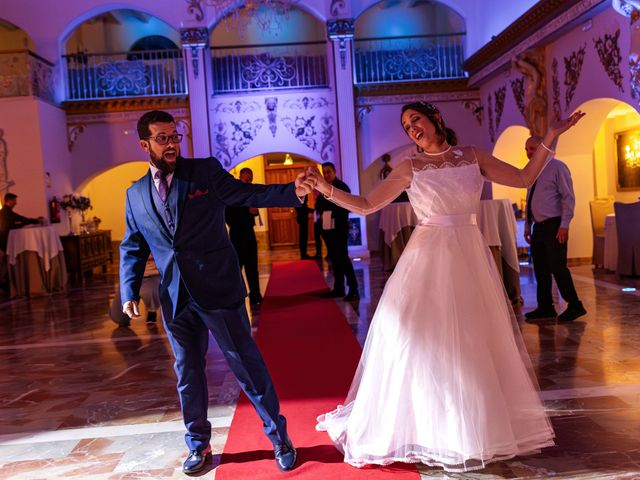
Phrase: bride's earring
(420, 149)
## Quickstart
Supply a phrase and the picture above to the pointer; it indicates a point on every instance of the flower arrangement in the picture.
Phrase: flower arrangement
(75, 202)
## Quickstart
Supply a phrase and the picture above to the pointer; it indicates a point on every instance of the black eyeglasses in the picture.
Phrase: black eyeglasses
(163, 139)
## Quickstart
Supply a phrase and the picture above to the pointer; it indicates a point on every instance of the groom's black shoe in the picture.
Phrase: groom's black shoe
(196, 460)
(539, 313)
(333, 294)
(286, 456)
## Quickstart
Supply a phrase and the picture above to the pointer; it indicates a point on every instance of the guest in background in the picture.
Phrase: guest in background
(241, 221)
(10, 220)
(317, 228)
(335, 230)
(550, 204)
(302, 217)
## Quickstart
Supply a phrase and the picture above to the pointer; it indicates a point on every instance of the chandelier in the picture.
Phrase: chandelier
(268, 15)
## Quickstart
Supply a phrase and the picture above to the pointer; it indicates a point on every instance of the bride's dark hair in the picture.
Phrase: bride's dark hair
(430, 111)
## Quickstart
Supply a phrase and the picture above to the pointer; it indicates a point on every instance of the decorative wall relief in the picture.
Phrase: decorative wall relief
(517, 87)
(573, 68)
(610, 57)
(634, 53)
(476, 108)
(195, 9)
(555, 87)
(271, 104)
(5, 183)
(73, 132)
(492, 131)
(327, 147)
(337, 7)
(302, 128)
(531, 64)
(305, 103)
(500, 95)
(238, 106)
(233, 137)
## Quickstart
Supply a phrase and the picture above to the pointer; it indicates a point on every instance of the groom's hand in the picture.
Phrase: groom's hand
(131, 308)
(304, 184)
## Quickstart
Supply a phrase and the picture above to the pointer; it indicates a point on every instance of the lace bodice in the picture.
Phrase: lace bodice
(448, 190)
(447, 184)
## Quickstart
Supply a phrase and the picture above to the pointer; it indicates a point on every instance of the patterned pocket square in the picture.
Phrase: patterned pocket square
(197, 193)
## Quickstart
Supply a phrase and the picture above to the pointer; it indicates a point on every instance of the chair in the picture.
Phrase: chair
(600, 208)
(628, 230)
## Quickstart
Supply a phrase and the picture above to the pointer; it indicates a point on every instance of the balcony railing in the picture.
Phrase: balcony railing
(22, 72)
(269, 67)
(406, 59)
(94, 76)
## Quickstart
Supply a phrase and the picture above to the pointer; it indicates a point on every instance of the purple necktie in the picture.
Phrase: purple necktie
(163, 186)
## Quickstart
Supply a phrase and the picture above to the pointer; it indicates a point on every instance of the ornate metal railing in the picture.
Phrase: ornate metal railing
(412, 58)
(22, 72)
(92, 76)
(269, 67)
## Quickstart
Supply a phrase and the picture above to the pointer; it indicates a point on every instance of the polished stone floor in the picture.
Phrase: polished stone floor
(85, 399)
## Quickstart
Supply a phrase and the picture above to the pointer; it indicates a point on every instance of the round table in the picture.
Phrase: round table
(36, 261)
(397, 221)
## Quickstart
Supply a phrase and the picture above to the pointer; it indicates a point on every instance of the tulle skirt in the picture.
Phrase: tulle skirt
(444, 378)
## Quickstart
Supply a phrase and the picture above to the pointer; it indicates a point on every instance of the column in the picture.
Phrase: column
(341, 32)
(195, 42)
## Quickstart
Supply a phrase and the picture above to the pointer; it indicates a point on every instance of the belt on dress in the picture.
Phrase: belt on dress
(450, 220)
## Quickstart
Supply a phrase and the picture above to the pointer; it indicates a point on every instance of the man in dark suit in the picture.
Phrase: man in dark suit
(241, 221)
(302, 218)
(10, 220)
(335, 230)
(176, 212)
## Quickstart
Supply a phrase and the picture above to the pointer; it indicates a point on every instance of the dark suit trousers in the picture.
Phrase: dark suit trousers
(317, 235)
(339, 255)
(188, 334)
(247, 249)
(550, 259)
(303, 228)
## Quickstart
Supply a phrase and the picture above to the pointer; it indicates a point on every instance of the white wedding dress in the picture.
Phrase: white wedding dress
(444, 378)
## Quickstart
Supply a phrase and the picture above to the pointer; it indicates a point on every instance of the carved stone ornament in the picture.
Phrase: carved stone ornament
(361, 113)
(534, 99)
(625, 7)
(337, 7)
(198, 36)
(555, 88)
(73, 132)
(572, 69)
(341, 28)
(500, 95)
(476, 108)
(610, 57)
(492, 131)
(195, 8)
(517, 87)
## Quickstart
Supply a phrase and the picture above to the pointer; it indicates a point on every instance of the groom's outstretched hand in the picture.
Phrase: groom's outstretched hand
(304, 184)
(131, 308)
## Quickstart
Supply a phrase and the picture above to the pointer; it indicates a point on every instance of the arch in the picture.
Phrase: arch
(153, 42)
(106, 189)
(6, 28)
(385, 23)
(446, 3)
(510, 149)
(250, 153)
(100, 9)
(214, 22)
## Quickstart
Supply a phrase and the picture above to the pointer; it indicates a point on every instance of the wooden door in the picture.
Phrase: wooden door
(283, 226)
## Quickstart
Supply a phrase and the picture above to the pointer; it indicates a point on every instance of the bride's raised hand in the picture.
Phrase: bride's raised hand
(314, 173)
(558, 127)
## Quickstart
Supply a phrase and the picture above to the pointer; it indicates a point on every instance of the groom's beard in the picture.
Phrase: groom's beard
(160, 163)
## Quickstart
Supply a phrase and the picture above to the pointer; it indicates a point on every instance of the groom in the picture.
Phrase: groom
(176, 212)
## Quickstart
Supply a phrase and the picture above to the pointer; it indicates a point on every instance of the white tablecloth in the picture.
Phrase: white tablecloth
(498, 225)
(394, 217)
(610, 243)
(42, 240)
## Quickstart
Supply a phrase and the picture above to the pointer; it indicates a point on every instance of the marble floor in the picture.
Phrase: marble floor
(83, 398)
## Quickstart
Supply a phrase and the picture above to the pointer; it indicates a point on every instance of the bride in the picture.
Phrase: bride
(444, 378)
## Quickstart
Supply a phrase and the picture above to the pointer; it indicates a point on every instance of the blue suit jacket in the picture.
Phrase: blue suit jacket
(199, 252)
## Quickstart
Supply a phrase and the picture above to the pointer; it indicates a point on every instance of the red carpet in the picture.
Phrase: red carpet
(312, 355)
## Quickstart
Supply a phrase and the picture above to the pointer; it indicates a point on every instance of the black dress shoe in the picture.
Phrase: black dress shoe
(352, 295)
(573, 311)
(540, 313)
(196, 461)
(333, 294)
(286, 456)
